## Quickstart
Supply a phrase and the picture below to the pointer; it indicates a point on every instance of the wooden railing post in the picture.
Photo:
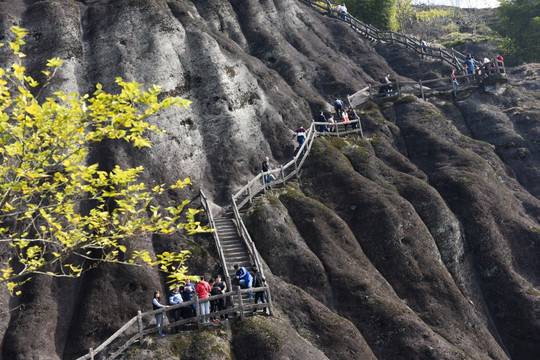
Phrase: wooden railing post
(249, 192)
(240, 303)
(282, 173)
(140, 325)
(91, 352)
(197, 311)
(269, 301)
(263, 181)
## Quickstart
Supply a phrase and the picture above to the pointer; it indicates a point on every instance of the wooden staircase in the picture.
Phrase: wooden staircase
(234, 249)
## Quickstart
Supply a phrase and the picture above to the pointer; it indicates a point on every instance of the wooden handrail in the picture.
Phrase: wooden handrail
(391, 36)
(448, 85)
(297, 162)
(449, 56)
(134, 338)
(206, 206)
(244, 234)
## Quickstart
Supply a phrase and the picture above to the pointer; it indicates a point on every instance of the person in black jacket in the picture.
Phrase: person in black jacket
(322, 118)
(214, 304)
(187, 294)
(258, 281)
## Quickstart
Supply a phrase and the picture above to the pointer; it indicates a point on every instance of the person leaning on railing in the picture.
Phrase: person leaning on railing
(156, 305)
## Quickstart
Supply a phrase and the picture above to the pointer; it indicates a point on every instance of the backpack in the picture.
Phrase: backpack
(258, 280)
(215, 290)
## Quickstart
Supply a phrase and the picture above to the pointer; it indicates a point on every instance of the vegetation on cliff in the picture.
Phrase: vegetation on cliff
(60, 216)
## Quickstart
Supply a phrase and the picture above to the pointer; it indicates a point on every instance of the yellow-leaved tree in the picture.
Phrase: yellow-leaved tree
(44, 178)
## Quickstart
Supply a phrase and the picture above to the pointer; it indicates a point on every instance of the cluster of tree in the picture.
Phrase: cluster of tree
(379, 13)
(60, 216)
(424, 22)
(519, 23)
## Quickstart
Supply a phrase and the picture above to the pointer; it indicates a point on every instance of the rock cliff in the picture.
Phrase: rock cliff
(419, 241)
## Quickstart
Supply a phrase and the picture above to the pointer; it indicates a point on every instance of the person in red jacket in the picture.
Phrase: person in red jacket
(500, 63)
(203, 289)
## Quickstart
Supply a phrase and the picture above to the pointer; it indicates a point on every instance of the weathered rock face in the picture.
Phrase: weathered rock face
(420, 241)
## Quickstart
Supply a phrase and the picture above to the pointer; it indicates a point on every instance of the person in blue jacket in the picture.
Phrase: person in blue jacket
(338, 107)
(187, 295)
(470, 64)
(175, 298)
(244, 278)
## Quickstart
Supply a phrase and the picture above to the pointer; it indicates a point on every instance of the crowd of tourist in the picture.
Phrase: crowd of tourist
(202, 290)
(343, 115)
